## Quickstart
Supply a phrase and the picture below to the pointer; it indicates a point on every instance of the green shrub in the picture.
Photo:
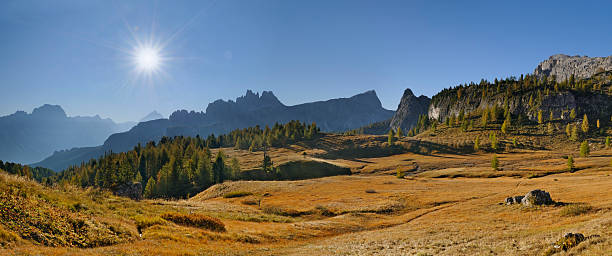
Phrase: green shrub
(281, 212)
(145, 222)
(250, 201)
(575, 210)
(195, 220)
(237, 194)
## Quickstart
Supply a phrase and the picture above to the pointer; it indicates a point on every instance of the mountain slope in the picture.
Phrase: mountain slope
(223, 116)
(27, 138)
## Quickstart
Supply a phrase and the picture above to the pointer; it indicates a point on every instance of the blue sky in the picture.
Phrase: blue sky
(77, 53)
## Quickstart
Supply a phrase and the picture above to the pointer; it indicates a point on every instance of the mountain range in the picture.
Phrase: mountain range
(30, 137)
(223, 116)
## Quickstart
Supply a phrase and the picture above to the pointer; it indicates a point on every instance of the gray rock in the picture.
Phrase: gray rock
(131, 190)
(514, 200)
(563, 66)
(537, 197)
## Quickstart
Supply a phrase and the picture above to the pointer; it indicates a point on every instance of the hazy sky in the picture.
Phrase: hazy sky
(77, 53)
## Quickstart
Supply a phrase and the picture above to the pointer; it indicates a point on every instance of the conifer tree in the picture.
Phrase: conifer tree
(568, 130)
(540, 118)
(390, 138)
(573, 114)
(505, 125)
(584, 149)
(149, 188)
(574, 135)
(477, 143)
(570, 163)
(585, 124)
(495, 163)
(607, 141)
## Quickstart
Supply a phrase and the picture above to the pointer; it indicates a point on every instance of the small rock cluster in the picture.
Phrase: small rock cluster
(132, 190)
(534, 197)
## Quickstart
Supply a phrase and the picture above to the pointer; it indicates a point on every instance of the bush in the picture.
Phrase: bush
(195, 220)
(145, 222)
(575, 210)
(400, 174)
(281, 212)
(250, 201)
(237, 194)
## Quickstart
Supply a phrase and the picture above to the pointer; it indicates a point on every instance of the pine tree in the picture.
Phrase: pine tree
(550, 128)
(493, 139)
(477, 143)
(574, 135)
(495, 163)
(570, 163)
(390, 138)
(505, 125)
(219, 168)
(485, 118)
(399, 133)
(584, 149)
(608, 142)
(150, 188)
(267, 163)
(540, 118)
(568, 130)
(585, 124)
(573, 114)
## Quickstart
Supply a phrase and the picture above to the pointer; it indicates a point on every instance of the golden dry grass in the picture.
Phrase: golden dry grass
(448, 204)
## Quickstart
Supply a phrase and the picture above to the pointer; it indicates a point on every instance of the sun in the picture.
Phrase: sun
(147, 59)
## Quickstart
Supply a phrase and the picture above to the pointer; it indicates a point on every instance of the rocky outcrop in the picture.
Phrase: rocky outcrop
(537, 197)
(562, 66)
(534, 197)
(514, 200)
(132, 190)
(409, 110)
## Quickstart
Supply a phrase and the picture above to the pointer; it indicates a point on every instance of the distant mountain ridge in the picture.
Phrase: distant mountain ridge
(152, 116)
(27, 138)
(223, 116)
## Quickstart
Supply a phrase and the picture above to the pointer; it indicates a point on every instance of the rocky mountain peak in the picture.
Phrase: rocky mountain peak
(409, 110)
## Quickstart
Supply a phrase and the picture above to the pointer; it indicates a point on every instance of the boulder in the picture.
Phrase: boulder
(537, 197)
(132, 190)
(514, 200)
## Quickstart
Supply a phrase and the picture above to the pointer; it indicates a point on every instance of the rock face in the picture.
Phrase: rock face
(409, 110)
(131, 190)
(537, 197)
(563, 66)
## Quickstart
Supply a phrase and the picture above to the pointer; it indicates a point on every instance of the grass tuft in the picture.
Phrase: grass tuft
(195, 220)
(575, 210)
(237, 194)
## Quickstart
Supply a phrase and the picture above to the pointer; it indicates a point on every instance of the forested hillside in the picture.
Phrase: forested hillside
(181, 166)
